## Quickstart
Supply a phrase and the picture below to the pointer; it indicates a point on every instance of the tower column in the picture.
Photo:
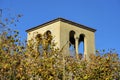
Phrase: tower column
(85, 49)
(76, 46)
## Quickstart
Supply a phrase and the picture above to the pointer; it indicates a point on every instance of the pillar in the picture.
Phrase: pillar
(76, 47)
(85, 48)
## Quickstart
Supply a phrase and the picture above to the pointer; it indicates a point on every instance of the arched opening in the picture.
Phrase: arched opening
(48, 40)
(39, 45)
(48, 32)
(44, 42)
(81, 45)
(48, 36)
(72, 43)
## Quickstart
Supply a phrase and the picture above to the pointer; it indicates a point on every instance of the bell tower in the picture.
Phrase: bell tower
(67, 33)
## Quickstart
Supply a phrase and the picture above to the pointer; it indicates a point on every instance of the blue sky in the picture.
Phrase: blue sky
(103, 15)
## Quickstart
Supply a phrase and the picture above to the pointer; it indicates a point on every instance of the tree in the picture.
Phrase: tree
(24, 62)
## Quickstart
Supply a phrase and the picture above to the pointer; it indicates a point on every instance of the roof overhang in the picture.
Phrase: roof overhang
(63, 20)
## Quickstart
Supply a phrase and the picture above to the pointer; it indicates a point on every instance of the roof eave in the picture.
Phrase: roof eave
(63, 20)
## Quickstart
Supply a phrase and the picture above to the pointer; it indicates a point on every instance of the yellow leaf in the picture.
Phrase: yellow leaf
(86, 77)
(5, 66)
(21, 69)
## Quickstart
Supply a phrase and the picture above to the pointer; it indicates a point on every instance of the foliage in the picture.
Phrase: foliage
(19, 62)
(40, 60)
